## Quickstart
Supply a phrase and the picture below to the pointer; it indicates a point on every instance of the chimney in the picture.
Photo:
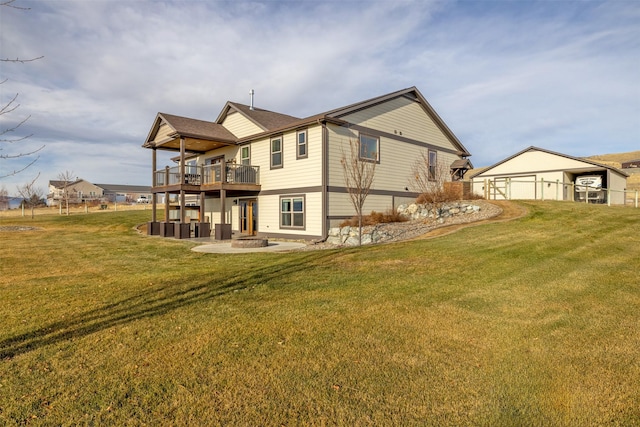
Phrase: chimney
(251, 92)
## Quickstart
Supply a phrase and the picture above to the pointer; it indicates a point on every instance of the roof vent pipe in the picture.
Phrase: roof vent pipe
(251, 92)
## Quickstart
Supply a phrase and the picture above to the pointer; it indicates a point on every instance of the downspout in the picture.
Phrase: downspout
(325, 180)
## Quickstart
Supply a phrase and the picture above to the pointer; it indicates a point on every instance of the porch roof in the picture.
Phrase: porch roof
(200, 136)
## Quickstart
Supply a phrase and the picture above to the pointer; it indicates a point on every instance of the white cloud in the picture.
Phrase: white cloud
(504, 76)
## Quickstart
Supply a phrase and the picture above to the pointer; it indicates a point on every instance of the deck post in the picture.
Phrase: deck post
(182, 165)
(223, 196)
(166, 207)
(153, 185)
(202, 206)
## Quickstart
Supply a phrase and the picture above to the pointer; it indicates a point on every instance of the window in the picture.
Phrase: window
(292, 212)
(369, 148)
(302, 144)
(245, 155)
(276, 152)
(433, 163)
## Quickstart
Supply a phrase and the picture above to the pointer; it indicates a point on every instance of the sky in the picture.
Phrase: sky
(503, 75)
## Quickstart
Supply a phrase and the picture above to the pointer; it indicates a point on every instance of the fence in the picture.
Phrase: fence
(523, 189)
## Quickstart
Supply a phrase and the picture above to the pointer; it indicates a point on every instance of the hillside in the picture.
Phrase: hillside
(615, 159)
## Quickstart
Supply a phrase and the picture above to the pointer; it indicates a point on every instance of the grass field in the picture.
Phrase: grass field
(530, 322)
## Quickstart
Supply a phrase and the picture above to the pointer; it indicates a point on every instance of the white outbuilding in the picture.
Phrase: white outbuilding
(539, 174)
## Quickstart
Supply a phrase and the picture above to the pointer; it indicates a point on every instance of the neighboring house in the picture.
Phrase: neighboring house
(536, 173)
(631, 164)
(79, 191)
(255, 171)
(124, 193)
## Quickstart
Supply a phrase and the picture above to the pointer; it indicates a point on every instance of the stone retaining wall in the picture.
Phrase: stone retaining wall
(348, 236)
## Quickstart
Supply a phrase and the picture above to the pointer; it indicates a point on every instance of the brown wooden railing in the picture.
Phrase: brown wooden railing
(208, 174)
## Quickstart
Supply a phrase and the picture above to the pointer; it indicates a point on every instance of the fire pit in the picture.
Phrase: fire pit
(250, 242)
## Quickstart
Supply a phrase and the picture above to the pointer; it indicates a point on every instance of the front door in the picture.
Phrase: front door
(248, 216)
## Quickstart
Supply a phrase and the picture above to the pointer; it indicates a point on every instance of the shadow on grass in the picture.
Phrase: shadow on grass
(150, 303)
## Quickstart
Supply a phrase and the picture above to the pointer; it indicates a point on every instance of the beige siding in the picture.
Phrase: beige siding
(229, 153)
(617, 183)
(212, 212)
(163, 132)
(536, 161)
(240, 126)
(295, 173)
(269, 215)
(393, 172)
(403, 117)
(340, 204)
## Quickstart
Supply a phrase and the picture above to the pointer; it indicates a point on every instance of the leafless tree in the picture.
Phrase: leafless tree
(66, 178)
(31, 195)
(4, 198)
(9, 106)
(358, 178)
(428, 177)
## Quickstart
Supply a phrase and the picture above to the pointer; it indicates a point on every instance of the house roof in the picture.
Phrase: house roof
(336, 115)
(271, 123)
(198, 128)
(61, 184)
(461, 164)
(120, 188)
(532, 148)
(265, 119)
(411, 93)
(201, 135)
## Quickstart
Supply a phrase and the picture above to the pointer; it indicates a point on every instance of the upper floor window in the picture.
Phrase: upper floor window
(245, 155)
(369, 148)
(276, 152)
(301, 137)
(433, 164)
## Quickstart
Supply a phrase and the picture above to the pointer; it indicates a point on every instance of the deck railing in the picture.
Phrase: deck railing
(209, 174)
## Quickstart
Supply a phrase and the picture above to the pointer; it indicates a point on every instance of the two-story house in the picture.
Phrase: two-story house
(255, 171)
(78, 191)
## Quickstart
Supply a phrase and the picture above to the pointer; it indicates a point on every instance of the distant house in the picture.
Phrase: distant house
(631, 164)
(124, 193)
(79, 191)
(258, 172)
(536, 173)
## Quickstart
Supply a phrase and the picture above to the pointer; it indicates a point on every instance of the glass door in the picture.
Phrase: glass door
(248, 217)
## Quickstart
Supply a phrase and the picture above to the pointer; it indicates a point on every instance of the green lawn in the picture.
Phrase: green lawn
(530, 322)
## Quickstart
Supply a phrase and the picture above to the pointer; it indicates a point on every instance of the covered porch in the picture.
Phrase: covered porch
(190, 137)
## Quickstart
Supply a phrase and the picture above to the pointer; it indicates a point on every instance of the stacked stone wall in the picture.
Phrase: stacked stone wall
(348, 236)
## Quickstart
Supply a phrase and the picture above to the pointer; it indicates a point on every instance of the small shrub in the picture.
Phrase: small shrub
(390, 215)
(438, 196)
